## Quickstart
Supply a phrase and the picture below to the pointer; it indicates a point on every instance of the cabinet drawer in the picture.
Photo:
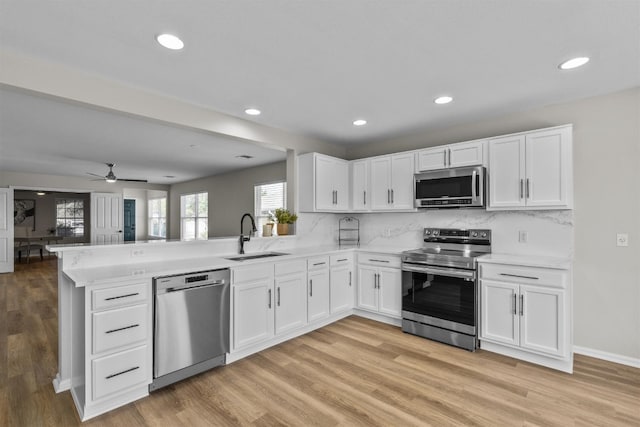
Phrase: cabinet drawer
(318, 263)
(526, 275)
(291, 267)
(379, 259)
(119, 296)
(340, 259)
(120, 371)
(252, 273)
(120, 327)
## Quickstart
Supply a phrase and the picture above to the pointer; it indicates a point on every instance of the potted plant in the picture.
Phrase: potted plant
(267, 229)
(284, 218)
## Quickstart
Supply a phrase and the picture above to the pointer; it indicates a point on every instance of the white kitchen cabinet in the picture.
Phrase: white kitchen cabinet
(379, 284)
(471, 153)
(531, 170)
(318, 298)
(341, 283)
(360, 193)
(290, 295)
(392, 182)
(323, 183)
(527, 310)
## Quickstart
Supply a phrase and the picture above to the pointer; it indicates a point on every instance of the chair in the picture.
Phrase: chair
(26, 245)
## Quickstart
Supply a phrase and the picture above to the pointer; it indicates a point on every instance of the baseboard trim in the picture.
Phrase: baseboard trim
(610, 357)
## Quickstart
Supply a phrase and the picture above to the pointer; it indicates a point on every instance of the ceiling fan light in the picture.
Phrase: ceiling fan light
(111, 180)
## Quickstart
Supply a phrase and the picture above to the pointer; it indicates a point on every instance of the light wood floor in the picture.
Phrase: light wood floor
(353, 372)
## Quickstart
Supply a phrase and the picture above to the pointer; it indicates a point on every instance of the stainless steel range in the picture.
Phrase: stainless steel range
(440, 288)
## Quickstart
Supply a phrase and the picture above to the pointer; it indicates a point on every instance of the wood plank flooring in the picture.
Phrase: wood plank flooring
(355, 372)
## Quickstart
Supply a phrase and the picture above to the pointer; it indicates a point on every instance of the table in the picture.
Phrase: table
(39, 238)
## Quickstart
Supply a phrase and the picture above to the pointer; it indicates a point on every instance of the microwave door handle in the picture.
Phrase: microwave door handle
(474, 196)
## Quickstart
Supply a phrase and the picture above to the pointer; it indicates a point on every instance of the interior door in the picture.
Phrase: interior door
(6, 230)
(106, 218)
(129, 220)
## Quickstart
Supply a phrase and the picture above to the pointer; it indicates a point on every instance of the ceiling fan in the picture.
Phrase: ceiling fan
(111, 177)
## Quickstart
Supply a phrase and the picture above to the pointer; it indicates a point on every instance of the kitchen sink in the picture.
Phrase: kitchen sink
(255, 256)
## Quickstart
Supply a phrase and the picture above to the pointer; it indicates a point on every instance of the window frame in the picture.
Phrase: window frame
(64, 219)
(262, 219)
(196, 218)
(151, 218)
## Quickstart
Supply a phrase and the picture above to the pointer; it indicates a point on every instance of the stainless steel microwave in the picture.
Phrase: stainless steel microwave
(451, 188)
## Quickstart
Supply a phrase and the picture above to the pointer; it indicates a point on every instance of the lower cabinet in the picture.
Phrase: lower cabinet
(342, 284)
(318, 288)
(379, 284)
(526, 309)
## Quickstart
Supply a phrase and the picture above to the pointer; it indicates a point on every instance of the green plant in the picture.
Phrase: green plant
(283, 216)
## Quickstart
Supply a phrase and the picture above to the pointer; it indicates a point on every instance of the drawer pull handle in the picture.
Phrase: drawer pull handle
(122, 329)
(122, 296)
(343, 259)
(319, 263)
(521, 277)
(123, 372)
(378, 260)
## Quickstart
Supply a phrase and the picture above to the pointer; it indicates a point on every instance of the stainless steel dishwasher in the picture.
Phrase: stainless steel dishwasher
(191, 325)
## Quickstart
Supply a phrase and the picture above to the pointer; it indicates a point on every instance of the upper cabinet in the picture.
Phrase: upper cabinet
(532, 170)
(360, 192)
(392, 182)
(323, 183)
(471, 153)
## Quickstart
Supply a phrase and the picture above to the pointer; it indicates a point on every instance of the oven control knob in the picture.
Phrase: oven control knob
(483, 235)
(428, 232)
(474, 234)
(435, 232)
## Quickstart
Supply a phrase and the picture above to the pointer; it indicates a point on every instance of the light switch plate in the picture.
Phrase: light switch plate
(523, 236)
(622, 239)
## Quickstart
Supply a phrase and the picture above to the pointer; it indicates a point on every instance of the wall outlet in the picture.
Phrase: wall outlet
(387, 232)
(622, 239)
(523, 236)
(137, 252)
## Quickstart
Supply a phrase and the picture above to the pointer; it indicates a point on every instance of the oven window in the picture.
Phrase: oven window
(438, 296)
(444, 187)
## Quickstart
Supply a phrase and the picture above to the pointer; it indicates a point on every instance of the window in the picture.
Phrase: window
(158, 217)
(194, 216)
(70, 217)
(268, 197)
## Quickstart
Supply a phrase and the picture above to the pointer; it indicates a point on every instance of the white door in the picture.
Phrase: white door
(390, 292)
(107, 213)
(546, 180)
(341, 184)
(402, 181)
(507, 172)
(499, 311)
(431, 159)
(290, 300)
(541, 322)
(341, 293)
(318, 295)
(253, 305)
(466, 154)
(324, 183)
(368, 288)
(6, 230)
(380, 183)
(360, 185)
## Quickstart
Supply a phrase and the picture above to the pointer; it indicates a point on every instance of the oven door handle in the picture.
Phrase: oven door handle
(440, 271)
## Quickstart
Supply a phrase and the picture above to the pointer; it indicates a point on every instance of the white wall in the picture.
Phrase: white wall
(230, 196)
(607, 201)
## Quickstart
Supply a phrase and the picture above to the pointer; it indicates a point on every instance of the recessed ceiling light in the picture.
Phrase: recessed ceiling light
(244, 156)
(443, 100)
(170, 41)
(252, 111)
(359, 122)
(169, 176)
(574, 63)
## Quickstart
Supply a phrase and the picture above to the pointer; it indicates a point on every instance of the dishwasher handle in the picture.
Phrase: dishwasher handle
(187, 287)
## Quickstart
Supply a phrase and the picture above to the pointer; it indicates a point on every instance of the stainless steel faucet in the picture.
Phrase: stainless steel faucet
(242, 236)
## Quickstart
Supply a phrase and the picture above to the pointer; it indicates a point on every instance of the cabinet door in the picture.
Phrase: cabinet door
(252, 313)
(290, 302)
(390, 291)
(360, 185)
(402, 181)
(324, 183)
(367, 288)
(380, 183)
(341, 285)
(466, 154)
(506, 172)
(542, 319)
(548, 162)
(431, 159)
(318, 295)
(499, 308)
(340, 178)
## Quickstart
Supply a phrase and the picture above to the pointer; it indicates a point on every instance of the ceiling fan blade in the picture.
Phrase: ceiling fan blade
(132, 180)
(94, 174)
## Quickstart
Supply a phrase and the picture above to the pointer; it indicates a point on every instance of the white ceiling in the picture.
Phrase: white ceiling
(312, 67)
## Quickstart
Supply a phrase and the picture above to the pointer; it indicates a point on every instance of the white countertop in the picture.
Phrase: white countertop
(146, 270)
(527, 260)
